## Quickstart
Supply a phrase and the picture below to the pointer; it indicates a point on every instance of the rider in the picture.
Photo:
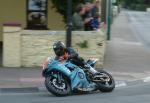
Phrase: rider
(60, 51)
(63, 53)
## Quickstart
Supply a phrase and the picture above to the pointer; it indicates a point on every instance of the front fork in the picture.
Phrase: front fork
(91, 69)
(59, 77)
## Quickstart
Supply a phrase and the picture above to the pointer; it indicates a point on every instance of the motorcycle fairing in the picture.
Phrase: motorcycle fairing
(77, 75)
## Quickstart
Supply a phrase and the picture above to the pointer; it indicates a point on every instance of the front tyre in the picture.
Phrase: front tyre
(108, 84)
(61, 88)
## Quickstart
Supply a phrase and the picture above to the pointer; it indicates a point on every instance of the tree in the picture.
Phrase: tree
(135, 4)
(61, 6)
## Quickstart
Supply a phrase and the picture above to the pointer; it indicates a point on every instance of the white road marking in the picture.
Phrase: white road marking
(147, 79)
(121, 84)
(31, 79)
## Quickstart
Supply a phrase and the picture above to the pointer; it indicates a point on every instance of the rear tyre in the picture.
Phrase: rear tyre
(108, 85)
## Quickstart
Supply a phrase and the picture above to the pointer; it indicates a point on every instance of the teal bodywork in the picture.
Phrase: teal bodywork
(77, 75)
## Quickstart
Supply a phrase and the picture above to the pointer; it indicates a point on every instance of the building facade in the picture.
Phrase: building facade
(15, 11)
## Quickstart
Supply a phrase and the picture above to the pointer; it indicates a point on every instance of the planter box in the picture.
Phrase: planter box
(28, 48)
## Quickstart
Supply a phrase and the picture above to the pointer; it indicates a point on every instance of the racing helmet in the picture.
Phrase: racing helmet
(59, 48)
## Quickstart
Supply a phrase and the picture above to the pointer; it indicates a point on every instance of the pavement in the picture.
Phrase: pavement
(141, 22)
(126, 59)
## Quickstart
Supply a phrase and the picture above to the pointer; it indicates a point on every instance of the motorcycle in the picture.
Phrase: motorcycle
(62, 79)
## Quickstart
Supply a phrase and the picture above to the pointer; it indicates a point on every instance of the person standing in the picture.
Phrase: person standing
(88, 16)
(77, 20)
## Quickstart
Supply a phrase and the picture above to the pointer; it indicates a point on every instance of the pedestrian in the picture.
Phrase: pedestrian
(88, 16)
(95, 23)
(96, 8)
(77, 20)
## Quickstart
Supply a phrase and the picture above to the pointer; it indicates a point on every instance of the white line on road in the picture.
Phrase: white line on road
(31, 79)
(147, 79)
(120, 84)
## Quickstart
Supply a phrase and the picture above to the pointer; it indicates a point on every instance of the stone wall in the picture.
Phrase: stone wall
(95, 44)
(11, 46)
(31, 47)
(37, 45)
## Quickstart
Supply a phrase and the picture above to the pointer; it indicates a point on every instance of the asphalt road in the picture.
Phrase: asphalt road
(140, 23)
(130, 94)
(126, 54)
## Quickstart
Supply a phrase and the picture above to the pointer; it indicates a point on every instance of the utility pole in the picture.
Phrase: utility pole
(69, 23)
(103, 10)
(109, 17)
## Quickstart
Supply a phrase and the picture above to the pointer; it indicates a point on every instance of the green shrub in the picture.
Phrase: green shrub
(83, 44)
(141, 7)
(132, 6)
(61, 6)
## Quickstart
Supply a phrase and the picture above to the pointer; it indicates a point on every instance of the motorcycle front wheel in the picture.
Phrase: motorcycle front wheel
(58, 88)
(108, 84)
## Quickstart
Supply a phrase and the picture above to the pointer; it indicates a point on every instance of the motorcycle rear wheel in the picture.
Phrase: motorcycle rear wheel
(106, 86)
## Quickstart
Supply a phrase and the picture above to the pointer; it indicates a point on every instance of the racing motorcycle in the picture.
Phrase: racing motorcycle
(62, 79)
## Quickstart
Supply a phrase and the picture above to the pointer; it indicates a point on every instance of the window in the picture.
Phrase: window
(37, 14)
